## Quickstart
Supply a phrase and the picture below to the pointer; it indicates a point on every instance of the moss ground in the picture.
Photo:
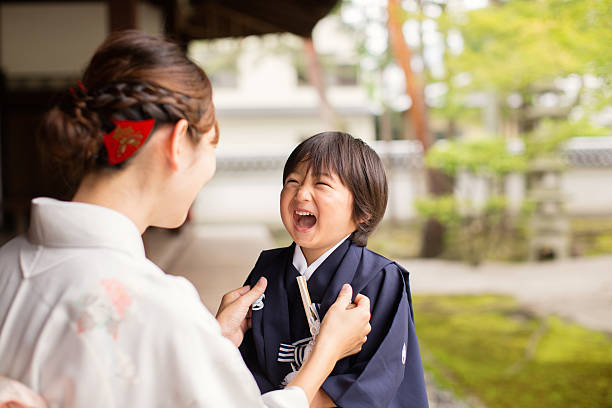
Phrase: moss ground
(487, 348)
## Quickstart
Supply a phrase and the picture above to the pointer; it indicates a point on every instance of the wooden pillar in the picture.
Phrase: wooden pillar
(170, 10)
(122, 14)
(1, 36)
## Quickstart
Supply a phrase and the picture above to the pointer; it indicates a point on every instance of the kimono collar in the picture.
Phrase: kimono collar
(67, 224)
(299, 260)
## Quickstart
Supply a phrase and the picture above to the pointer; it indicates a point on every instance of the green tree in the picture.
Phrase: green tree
(520, 47)
(475, 230)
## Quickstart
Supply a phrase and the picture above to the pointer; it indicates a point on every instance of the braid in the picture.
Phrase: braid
(132, 76)
(144, 100)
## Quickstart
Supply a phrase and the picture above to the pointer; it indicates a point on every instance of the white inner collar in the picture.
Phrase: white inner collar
(299, 260)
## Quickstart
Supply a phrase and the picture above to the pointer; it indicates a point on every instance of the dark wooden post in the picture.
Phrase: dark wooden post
(122, 14)
(170, 10)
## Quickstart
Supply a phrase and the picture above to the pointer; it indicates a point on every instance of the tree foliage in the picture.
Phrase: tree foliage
(523, 42)
(551, 136)
(481, 156)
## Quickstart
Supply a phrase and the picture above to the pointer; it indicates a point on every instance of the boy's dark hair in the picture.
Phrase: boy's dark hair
(358, 167)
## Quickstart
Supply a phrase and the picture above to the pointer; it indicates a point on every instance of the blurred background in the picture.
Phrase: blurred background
(493, 118)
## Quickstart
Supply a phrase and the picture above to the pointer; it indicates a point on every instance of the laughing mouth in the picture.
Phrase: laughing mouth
(304, 219)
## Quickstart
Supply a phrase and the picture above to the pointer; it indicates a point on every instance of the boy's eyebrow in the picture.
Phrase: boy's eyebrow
(292, 174)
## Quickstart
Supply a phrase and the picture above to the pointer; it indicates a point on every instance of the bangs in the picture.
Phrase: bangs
(322, 154)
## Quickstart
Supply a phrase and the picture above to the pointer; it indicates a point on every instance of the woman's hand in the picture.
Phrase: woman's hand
(343, 332)
(346, 325)
(234, 314)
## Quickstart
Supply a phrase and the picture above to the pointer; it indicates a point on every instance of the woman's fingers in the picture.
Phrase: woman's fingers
(246, 295)
(248, 298)
(362, 301)
(230, 297)
(346, 325)
(344, 297)
(235, 308)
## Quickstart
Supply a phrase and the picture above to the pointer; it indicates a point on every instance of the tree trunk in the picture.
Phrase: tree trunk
(437, 182)
(414, 87)
(317, 80)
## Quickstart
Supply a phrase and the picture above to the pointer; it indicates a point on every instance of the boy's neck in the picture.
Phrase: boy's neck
(312, 254)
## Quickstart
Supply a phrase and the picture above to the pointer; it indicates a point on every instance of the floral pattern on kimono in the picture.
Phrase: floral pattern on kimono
(104, 308)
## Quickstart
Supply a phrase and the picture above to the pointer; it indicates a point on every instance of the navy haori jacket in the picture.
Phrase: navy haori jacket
(388, 370)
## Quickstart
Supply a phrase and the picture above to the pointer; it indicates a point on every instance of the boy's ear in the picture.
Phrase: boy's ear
(364, 218)
(177, 140)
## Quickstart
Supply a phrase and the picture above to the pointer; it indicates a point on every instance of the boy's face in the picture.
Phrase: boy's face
(316, 211)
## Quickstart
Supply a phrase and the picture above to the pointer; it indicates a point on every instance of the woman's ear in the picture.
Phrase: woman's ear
(177, 143)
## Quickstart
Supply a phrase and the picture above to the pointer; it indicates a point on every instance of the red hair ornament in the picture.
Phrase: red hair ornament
(82, 88)
(126, 138)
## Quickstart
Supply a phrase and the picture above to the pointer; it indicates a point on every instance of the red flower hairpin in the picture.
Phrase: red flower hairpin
(80, 84)
(126, 138)
(81, 87)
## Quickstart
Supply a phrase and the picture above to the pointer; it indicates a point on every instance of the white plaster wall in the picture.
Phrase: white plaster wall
(270, 89)
(405, 185)
(280, 134)
(474, 189)
(588, 191)
(515, 186)
(58, 38)
(331, 37)
(235, 197)
(269, 80)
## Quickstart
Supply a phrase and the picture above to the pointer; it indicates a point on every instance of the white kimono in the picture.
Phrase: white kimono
(87, 320)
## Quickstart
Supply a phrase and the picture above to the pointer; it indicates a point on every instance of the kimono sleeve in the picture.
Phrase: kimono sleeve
(249, 354)
(388, 371)
(204, 369)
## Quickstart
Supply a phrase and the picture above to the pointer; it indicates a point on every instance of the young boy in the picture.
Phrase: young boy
(334, 195)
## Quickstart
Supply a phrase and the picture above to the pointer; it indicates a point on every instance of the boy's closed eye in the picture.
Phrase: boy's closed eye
(326, 180)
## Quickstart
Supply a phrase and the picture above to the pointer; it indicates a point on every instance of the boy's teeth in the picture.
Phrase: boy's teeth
(303, 213)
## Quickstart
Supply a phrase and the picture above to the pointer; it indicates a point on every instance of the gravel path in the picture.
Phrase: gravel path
(577, 289)
(441, 398)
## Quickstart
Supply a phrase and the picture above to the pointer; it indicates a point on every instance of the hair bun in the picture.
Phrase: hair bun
(70, 132)
(132, 76)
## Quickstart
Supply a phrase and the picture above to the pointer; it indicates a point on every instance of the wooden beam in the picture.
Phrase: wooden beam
(122, 14)
(208, 21)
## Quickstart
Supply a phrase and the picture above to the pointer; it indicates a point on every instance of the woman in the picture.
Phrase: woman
(85, 318)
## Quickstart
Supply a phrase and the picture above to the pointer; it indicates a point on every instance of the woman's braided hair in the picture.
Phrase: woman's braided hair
(132, 76)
